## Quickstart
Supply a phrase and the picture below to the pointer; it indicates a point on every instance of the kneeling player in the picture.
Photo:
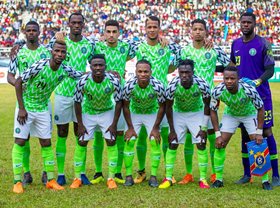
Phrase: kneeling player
(241, 101)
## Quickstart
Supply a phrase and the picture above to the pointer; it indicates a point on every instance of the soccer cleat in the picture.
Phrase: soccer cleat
(165, 184)
(18, 188)
(61, 180)
(275, 181)
(213, 177)
(217, 184)
(187, 179)
(129, 181)
(111, 183)
(119, 178)
(203, 184)
(85, 180)
(153, 182)
(44, 178)
(141, 176)
(76, 183)
(244, 179)
(97, 178)
(52, 184)
(27, 178)
(267, 186)
(173, 180)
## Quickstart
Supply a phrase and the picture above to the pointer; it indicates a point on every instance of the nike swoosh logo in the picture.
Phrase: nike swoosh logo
(267, 122)
(236, 51)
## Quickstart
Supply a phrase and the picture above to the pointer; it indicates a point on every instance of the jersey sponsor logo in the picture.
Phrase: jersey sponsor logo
(43, 56)
(17, 130)
(207, 55)
(122, 50)
(161, 52)
(151, 95)
(56, 117)
(84, 50)
(107, 90)
(60, 78)
(252, 51)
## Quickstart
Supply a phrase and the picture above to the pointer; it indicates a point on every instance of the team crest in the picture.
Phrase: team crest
(107, 90)
(17, 130)
(151, 96)
(252, 51)
(207, 55)
(83, 50)
(60, 78)
(122, 50)
(43, 56)
(161, 52)
(56, 117)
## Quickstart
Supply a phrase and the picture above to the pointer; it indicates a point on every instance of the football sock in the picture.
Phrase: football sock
(83, 168)
(128, 156)
(155, 156)
(245, 157)
(60, 154)
(246, 163)
(170, 161)
(188, 153)
(17, 156)
(48, 158)
(141, 148)
(219, 160)
(273, 155)
(112, 160)
(202, 163)
(120, 146)
(212, 140)
(26, 157)
(98, 146)
(164, 137)
(265, 178)
(79, 158)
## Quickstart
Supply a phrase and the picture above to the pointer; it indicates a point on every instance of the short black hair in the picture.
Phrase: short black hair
(153, 18)
(112, 23)
(98, 56)
(32, 22)
(187, 62)
(200, 21)
(248, 14)
(232, 69)
(144, 61)
(78, 14)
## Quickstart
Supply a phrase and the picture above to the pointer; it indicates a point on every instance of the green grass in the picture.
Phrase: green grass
(141, 195)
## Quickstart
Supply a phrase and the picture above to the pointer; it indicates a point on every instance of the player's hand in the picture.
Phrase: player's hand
(248, 81)
(172, 137)
(155, 134)
(129, 134)
(202, 135)
(163, 41)
(113, 131)
(116, 74)
(220, 142)
(259, 138)
(22, 116)
(14, 51)
(208, 44)
(81, 131)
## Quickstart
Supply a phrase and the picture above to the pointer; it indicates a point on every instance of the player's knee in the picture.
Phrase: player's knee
(120, 133)
(110, 142)
(267, 132)
(20, 142)
(201, 146)
(62, 130)
(83, 143)
(45, 142)
(210, 131)
(173, 146)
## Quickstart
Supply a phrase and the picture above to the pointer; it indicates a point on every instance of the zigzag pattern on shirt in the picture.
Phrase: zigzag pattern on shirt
(222, 56)
(117, 85)
(203, 86)
(158, 88)
(169, 93)
(13, 65)
(71, 72)
(34, 69)
(216, 93)
(129, 86)
(78, 95)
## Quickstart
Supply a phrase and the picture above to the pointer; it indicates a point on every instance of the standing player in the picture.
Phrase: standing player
(98, 88)
(241, 102)
(205, 65)
(253, 57)
(30, 53)
(32, 115)
(79, 51)
(188, 93)
(142, 96)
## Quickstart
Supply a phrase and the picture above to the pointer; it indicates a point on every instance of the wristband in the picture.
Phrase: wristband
(205, 121)
(259, 132)
(218, 134)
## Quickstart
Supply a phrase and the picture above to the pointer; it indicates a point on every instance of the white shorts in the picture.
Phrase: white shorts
(38, 124)
(64, 110)
(146, 120)
(98, 122)
(50, 112)
(121, 123)
(187, 121)
(230, 123)
(164, 122)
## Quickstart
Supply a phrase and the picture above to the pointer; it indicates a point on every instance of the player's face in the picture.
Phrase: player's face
(76, 25)
(143, 72)
(186, 76)
(231, 81)
(152, 29)
(32, 33)
(247, 25)
(98, 67)
(58, 53)
(198, 32)
(112, 34)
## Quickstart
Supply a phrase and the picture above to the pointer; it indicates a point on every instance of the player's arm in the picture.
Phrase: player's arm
(133, 47)
(260, 122)
(155, 131)
(12, 71)
(72, 73)
(222, 57)
(127, 115)
(22, 113)
(169, 115)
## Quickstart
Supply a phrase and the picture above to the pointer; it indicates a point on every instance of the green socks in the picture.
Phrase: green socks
(155, 157)
(202, 163)
(120, 146)
(219, 160)
(17, 156)
(83, 168)
(142, 148)
(188, 153)
(164, 137)
(26, 157)
(212, 140)
(79, 159)
(60, 154)
(170, 160)
(128, 156)
(48, 159)
(112, 160)
(98, 146)
(265, 178)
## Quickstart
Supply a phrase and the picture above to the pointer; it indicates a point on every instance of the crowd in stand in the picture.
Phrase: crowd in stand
(52, 15)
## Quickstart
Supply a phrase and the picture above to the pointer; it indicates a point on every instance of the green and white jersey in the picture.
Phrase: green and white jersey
(26, 57)
(204, 61)
(41, 81)
(188, 100)
(144, 101)
(243, 103)
(78, 54)
(98, 96)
